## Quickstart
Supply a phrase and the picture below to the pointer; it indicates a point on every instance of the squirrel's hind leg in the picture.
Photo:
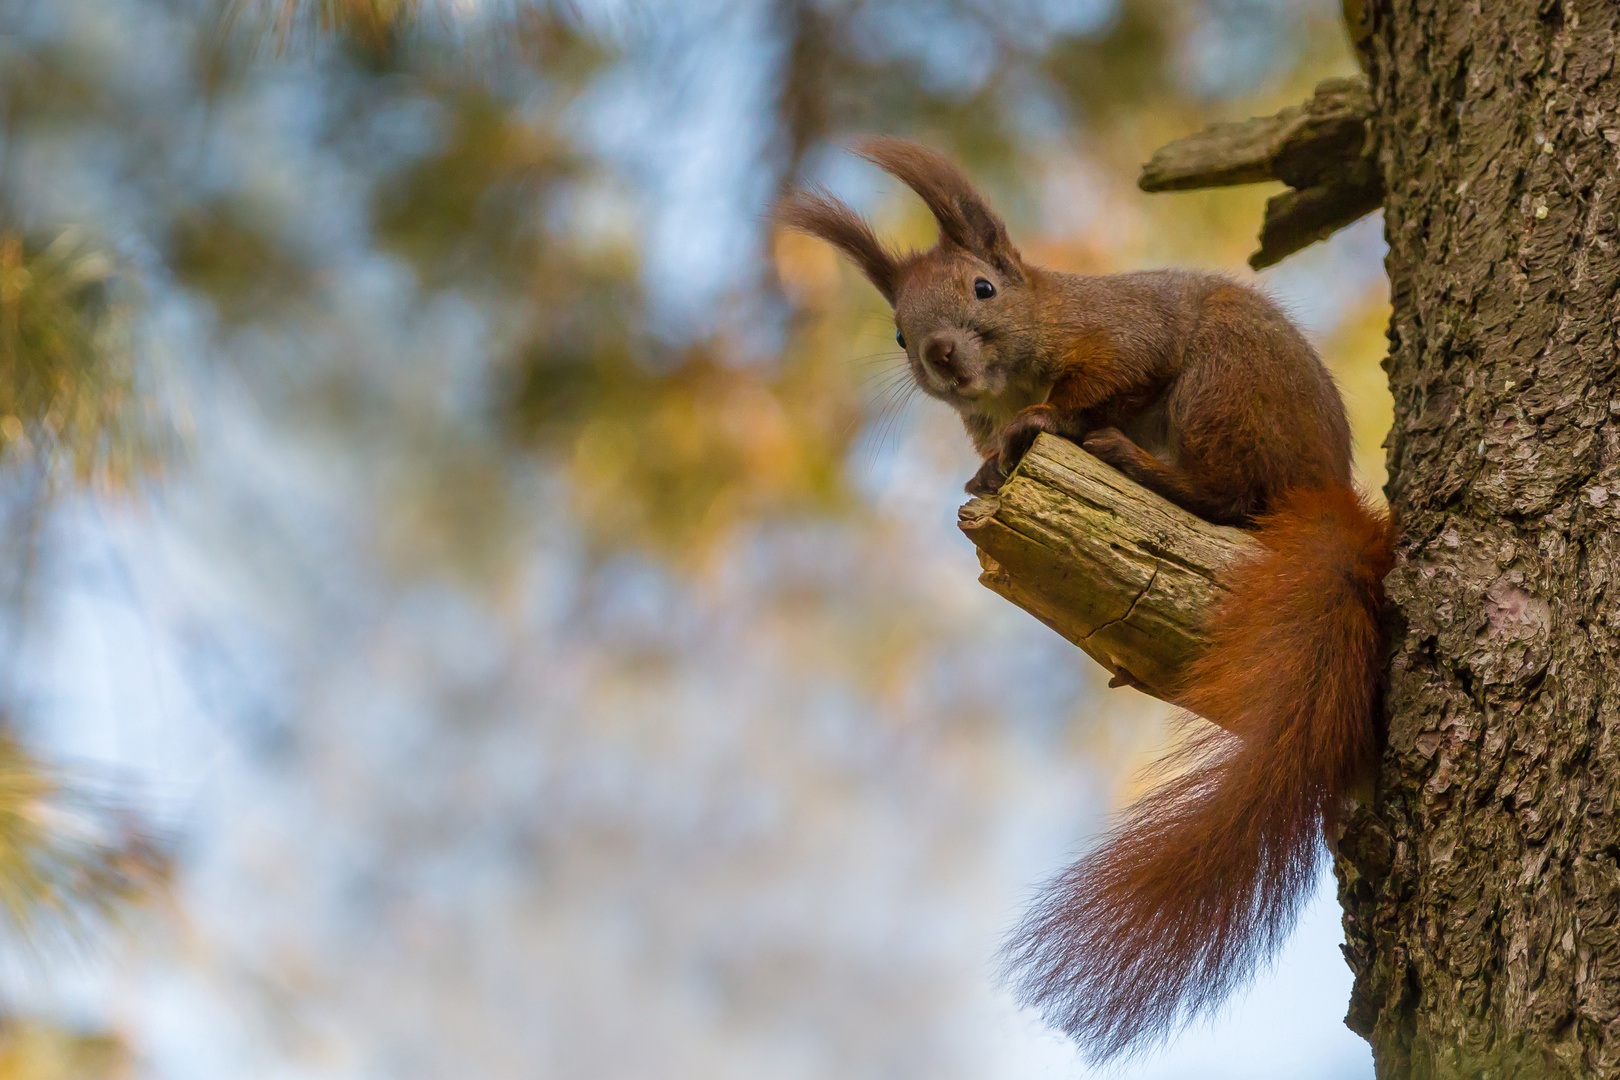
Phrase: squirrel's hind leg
(1177, 485)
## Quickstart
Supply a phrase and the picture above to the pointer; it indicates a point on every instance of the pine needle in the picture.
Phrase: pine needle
(66, 360)
(68, 862)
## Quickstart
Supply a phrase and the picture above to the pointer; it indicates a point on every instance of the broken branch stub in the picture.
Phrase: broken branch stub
(1323, 149)
(1298, 219)
(1128, 577)
(1301, 145)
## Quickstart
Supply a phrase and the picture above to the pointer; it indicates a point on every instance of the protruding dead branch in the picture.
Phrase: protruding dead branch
(1322, 148)
(1111, 566)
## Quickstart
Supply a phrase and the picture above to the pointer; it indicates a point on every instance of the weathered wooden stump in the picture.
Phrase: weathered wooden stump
(1120, 572)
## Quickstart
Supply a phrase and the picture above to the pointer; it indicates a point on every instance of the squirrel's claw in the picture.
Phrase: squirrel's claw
(1020, 434)
(988, 480)
(1110, 445)
(1125, 678)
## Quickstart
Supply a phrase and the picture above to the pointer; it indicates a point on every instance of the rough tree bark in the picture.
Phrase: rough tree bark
(1482, 889)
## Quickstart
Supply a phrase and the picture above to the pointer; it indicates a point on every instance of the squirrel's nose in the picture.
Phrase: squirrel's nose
(939, 352)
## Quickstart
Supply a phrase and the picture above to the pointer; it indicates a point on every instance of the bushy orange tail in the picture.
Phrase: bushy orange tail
(1203, 878)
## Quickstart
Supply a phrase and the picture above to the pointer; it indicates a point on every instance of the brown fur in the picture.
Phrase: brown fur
(1202, 390)
(822, 215)
(1201, 880)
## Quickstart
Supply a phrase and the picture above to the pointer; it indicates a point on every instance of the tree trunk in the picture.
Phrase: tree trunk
(1481, 891)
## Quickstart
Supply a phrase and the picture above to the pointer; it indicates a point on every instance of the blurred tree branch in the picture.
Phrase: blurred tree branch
(1120, 572)
(1323, 149)
(66, 364)
(67, 860)
(34, 1050)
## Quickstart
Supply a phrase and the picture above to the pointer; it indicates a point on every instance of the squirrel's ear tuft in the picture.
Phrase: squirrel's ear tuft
(820, 214)
(965, 219)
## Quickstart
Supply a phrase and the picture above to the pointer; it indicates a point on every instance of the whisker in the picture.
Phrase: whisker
(877, 357)
(881, 387)
(885, 378)
(891, 401)
(889, 422)
(907, 396)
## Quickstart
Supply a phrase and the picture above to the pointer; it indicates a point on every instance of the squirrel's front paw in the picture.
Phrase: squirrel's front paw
(1020, 434)
(1108, 444)
(987, 481)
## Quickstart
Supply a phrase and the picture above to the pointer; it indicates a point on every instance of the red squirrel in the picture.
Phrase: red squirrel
(1201, 390)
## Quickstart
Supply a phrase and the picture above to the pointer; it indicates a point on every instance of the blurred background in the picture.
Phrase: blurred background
(477, 603)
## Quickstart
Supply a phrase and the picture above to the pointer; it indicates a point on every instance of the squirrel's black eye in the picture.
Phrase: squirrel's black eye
(983, 289)
(900, 339)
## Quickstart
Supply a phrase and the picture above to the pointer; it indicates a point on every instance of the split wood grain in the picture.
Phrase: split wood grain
(1127, 576)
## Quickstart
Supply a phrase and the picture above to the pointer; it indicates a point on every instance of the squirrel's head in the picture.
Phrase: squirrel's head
(964, 310)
